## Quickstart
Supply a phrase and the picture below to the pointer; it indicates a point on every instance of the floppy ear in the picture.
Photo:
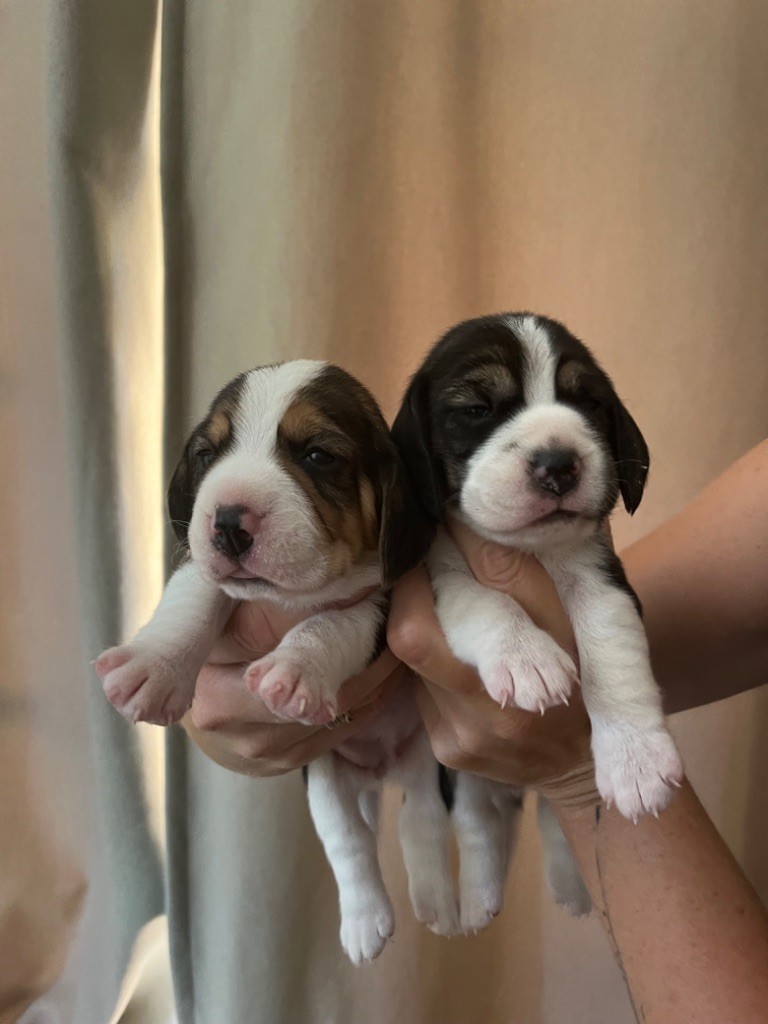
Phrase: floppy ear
(405, 530)
(181, 493)
(630, 453)
(412, 437)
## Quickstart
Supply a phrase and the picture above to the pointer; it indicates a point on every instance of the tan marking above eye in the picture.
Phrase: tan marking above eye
(303, 423)
(493, 378)
(219, 427)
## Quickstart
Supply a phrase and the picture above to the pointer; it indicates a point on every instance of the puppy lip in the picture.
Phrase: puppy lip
(558, 515)
(242, 576)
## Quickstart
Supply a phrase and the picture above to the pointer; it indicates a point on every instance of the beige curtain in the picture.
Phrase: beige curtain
(345, 180)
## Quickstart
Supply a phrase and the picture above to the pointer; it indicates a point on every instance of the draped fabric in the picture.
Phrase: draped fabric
(238, 183)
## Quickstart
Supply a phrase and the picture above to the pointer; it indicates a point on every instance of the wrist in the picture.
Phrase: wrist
(573, 794)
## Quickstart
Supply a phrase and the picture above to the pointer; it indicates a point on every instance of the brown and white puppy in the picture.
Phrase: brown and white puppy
(291, 491)
(511, 426)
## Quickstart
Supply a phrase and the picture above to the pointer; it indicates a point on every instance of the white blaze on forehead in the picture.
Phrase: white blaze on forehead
(539, 362)
(266, 395)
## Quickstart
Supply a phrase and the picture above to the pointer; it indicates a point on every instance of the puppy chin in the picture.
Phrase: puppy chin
(529, 529)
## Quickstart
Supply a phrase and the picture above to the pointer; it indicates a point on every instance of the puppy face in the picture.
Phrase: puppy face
(511, 423)
(290, 481)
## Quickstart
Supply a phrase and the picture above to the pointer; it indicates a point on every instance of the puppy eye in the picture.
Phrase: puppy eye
(595, 404)
(320, 458)
(205, 456)
(474, 412)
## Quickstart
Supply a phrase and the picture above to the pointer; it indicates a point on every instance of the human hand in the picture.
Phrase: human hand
(467, 728)
(235, 729)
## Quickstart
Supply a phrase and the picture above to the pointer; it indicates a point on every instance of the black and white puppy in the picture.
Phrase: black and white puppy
(291, 491)
(512, 427)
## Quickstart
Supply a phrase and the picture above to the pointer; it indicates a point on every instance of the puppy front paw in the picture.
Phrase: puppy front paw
(528, 670)
(636, 768)
(291, 689)
(145, 685)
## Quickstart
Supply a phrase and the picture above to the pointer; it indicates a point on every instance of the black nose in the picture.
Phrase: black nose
(228, 535)
(555, 470)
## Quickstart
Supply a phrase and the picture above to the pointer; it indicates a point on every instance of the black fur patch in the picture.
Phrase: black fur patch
(613, 571)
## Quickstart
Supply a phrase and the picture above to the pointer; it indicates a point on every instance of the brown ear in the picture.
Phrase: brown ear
(182, 490)
(405, 530)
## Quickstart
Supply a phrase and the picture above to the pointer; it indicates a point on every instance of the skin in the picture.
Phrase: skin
(686, 926)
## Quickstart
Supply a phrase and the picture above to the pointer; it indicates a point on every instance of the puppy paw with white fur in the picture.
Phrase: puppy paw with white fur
(531, 672)
(291, 689)
(434, 902)
(146, 684)
(637, 769)
(366, 928)
(479, 907)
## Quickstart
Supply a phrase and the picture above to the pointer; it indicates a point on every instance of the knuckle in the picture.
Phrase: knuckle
(445, 750)
(409, 641)
(206, 718)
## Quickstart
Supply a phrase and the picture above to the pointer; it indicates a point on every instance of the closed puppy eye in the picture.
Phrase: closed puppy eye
(474, 412)
(205, 456)
(590, 402)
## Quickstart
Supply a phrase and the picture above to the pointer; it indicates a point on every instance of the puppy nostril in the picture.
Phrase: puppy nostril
(228, 517)
(556, 470)
(229, 536)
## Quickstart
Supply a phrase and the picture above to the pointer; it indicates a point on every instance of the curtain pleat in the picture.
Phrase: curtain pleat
(100, 54)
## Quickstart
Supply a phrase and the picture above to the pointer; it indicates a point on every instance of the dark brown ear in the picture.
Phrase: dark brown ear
(630, 453)
(411, 434)
(405, 530)
(182, 491)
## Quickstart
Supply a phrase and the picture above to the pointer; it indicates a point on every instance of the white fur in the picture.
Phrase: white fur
(539, 365)
(636, 762)
(562, 870)
(486, 816)
(343, 801)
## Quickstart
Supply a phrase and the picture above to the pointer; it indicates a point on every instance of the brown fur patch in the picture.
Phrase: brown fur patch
(219, 426)
(343, 511)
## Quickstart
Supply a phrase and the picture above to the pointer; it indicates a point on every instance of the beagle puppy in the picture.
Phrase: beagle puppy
(291, 491)
(512, 427)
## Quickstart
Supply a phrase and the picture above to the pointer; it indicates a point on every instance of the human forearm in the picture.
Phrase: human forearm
(703, 580)
(687, 928)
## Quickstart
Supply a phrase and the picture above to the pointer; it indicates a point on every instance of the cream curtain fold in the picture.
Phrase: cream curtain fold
(345, 180)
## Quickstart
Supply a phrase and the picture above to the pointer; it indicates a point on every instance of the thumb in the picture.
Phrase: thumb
(521, 576)
(495, 566)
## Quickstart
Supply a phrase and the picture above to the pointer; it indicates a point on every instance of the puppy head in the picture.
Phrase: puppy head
(290, 481)
(511, 423)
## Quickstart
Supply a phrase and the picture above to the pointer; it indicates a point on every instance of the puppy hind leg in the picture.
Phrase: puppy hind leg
(563, 873)
(367, 918)
(425, 838)
(485, 818)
